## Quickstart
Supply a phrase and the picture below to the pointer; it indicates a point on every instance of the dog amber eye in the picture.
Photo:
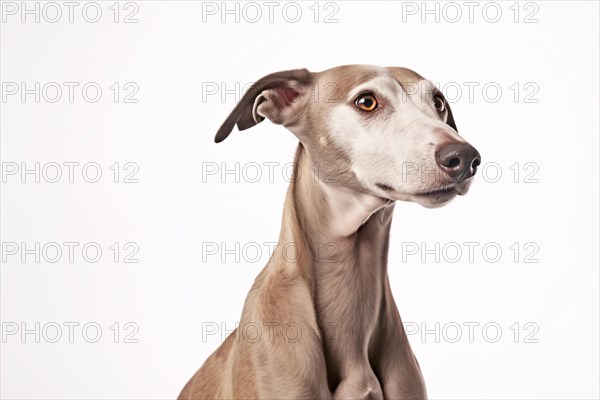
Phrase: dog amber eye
(439, 104)
(366, 102)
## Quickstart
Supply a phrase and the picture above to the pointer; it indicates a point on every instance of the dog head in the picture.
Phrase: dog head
(387, 132)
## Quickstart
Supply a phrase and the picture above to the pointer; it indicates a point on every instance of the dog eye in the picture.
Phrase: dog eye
(439, 104)
(366, 102)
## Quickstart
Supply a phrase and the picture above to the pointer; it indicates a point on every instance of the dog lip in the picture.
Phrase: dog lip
(385, 187)
(442, 190)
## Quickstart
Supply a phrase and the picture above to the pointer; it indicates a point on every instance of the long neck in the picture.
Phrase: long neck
(346, 234)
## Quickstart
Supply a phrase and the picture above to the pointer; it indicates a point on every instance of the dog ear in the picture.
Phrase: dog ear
(450, 117)
(279, 97)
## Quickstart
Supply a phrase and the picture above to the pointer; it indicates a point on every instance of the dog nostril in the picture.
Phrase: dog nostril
(453, 163)
(474, 164)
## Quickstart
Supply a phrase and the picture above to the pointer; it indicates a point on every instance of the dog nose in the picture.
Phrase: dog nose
(458, 160)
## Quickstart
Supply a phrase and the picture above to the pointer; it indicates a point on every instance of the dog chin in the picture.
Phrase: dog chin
(434, 201)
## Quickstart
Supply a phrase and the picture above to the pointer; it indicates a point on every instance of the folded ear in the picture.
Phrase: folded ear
(450, 117)
(279, 96)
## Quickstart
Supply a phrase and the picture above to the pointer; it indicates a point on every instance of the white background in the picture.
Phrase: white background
(173, 211)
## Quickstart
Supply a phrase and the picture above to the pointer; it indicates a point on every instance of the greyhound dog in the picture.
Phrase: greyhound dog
(320, 321)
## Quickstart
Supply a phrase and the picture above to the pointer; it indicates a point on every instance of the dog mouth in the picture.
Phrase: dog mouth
(441, 192)
(433, 192)
(391, 193)
(384, 187)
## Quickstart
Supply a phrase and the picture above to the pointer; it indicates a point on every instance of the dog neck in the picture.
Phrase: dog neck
(331, 213)
(346, 234)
